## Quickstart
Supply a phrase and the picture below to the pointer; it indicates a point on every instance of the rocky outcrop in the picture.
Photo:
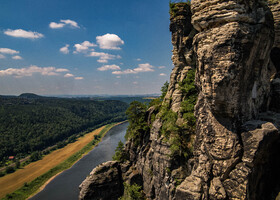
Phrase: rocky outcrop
(104, 181)
(237, 138)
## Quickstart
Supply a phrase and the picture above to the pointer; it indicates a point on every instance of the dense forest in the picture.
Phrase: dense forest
(31, 123)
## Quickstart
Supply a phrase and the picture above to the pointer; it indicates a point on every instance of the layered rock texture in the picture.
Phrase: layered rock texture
(234, 48)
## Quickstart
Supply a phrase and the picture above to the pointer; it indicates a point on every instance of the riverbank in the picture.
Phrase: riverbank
(57, 161)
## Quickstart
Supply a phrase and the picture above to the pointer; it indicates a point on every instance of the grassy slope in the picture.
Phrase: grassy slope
(46, 168)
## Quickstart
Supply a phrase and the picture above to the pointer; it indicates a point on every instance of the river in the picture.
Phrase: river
(66, 185)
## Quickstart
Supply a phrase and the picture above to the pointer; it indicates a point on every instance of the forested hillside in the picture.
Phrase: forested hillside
(33, 124)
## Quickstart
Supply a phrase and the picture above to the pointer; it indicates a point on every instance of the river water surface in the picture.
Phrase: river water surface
(66, 185)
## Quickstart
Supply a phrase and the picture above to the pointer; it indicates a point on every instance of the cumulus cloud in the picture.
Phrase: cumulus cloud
(70, 22)
(161, 67)
(138, 59)
(54, 25)
(17, 57)
(68, 75)
(65, 49)
(83, 47)
(109, 41)
(162, 74)
(104, 57)
(64, 22)
(2, 56)
(20, 33)
(108, 67)
(79, 78)
(8, 51)
(146, 67)
(29, 71)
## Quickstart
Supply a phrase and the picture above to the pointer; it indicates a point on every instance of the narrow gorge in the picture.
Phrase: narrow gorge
(226, 57)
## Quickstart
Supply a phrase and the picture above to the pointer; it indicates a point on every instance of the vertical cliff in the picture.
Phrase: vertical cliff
(230, 149)
(233, 77)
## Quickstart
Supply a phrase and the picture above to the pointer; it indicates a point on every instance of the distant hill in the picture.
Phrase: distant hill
(30, 96)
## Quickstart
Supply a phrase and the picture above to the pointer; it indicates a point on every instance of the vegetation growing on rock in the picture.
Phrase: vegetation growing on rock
(120, 154)
(173, 6)
(132, 192)
(138, 125)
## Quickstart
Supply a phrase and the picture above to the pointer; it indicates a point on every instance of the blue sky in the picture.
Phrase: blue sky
(53, 47)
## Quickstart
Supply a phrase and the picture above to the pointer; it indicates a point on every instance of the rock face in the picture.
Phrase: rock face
(104, 181)
(183, 56)
(237, 138)
(233, 77)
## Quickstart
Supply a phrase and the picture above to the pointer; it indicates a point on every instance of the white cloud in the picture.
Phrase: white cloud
(135, 82)
(68, 75)
(146, 67)
(64, 22)
(127, 71)
(17, 57)
(62, 70)
(109, 41)
(108, 67)
(70, 22)
(2, 56)
(79, 78)
(103, 57)
(118, 76)
(138, 59)
(54, 25)
(8, 51)
(162, 74)
(161, 67)
(29, 71)
(83, 47)
(102, 61)
(65, 49)
(23, 34)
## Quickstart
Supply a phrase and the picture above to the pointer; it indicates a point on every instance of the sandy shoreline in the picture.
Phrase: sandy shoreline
(45, 184)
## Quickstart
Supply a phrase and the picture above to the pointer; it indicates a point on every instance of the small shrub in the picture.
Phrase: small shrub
(120, 154)
(132, 192)
(9, 170)
(173, 6)
(17, 164)
(35, 156)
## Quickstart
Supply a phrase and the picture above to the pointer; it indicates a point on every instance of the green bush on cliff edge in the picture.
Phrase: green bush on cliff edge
(173, 8)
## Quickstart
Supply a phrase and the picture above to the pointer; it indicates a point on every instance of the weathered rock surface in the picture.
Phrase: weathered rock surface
(237, 147)
(274, 5)
(233, 54)
(103, 183)
(183, 56)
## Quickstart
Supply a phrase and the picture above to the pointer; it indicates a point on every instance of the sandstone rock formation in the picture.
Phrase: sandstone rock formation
(233, 76)
(237, 138)
(104, 181)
